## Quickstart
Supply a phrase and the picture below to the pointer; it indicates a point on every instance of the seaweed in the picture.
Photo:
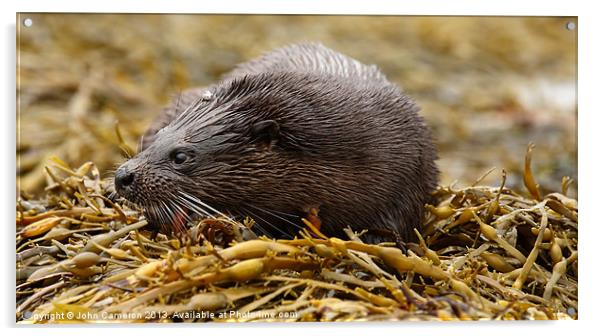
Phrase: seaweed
(484, 253)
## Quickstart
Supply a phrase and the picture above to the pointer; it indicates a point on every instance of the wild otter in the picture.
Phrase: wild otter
(302, 127)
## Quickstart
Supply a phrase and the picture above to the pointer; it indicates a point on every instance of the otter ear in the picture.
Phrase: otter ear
(266, 131)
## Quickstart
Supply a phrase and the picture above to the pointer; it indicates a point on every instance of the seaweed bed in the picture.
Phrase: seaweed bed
(485, 253)
(487, 86)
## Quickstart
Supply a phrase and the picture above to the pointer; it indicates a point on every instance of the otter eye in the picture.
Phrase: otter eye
(180, 157)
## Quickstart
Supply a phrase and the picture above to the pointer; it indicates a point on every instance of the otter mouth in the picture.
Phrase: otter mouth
(168, 220)
(166, 216)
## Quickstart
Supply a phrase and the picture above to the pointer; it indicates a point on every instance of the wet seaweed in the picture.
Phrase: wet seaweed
(484, 253)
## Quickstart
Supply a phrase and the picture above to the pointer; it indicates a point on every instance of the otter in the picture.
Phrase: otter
(302, 129)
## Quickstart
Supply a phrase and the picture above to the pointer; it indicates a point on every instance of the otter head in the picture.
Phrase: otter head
(248, 145)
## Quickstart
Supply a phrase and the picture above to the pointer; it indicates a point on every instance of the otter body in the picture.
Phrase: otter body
(300, 129)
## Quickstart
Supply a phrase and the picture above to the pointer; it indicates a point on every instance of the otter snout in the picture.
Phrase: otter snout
(141, 184)
(124, 178)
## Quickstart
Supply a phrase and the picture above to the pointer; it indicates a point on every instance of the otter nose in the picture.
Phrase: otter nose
(123, 177)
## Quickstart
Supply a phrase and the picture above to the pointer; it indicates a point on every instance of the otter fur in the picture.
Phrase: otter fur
(302, 128)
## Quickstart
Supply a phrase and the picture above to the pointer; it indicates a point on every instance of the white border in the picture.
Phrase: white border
(589, 142)
(425, 7)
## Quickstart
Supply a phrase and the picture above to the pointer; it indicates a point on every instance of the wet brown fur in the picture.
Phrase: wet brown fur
(348, 143)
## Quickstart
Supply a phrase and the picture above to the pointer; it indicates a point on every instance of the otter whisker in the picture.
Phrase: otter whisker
(169, 215)
(257, 225)
(179, 209)
(167, 210)
(164, 215)
(297, 226)
(260, 222)
(198, 201)
(246, 213)
(283, 213)
(193, 207)
(152, 213)
(112, 195)
(280, 231)
(176, 214)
